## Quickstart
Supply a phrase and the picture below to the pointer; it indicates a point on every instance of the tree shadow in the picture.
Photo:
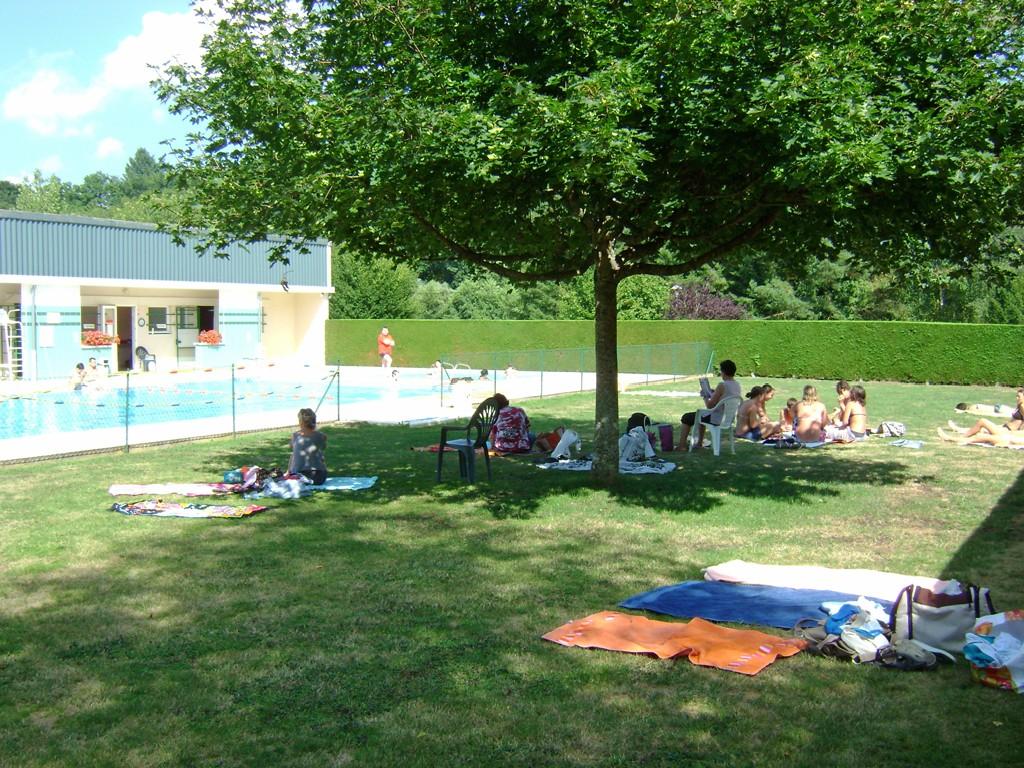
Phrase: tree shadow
(994, 552)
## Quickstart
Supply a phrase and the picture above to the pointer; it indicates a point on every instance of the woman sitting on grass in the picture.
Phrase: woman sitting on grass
(752, 418)
(842, 398)
(748, 420)
(308, 447)
(852, 423)
(811, 417)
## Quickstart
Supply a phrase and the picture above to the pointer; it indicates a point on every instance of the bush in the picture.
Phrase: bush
(699, 302)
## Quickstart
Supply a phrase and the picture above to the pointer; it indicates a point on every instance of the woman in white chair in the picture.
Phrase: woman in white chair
(727, 387)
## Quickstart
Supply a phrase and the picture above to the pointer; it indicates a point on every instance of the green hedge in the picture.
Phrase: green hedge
(953, 353)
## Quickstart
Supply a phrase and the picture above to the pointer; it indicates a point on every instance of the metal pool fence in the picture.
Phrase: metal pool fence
(136, 408)
(151, 407)
(551, 369)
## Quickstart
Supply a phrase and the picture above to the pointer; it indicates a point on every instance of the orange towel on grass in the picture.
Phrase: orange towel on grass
(746, 651)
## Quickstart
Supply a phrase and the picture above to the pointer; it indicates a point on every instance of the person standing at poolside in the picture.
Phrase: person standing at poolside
(308, 448)
(385, 347)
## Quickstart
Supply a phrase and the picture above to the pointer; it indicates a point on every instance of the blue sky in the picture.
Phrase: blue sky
(74, 93)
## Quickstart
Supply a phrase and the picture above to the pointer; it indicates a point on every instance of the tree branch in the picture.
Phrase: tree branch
(499, 264)
(755, 229)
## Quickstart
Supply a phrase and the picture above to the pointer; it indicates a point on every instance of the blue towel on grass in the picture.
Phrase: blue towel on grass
(740, 603)
(345, 484)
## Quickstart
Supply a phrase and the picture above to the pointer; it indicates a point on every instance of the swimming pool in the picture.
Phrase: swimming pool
(145, 401)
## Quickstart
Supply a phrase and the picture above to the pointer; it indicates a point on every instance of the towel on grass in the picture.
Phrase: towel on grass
(156, 508)
(746, 651)
(291, 488)
(859, 581)
(652, 467)
(176, 489)
(740, 603)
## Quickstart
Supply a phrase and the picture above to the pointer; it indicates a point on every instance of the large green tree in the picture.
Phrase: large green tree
(539, 139)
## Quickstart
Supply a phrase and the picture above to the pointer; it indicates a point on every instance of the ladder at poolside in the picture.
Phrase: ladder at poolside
(10, 344)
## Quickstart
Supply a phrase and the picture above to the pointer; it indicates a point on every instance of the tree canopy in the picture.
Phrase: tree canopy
(540, 140)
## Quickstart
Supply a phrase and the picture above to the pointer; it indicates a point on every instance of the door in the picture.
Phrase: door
(126, 336)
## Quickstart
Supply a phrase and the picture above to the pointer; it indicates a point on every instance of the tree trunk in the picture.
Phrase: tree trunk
(606, 356)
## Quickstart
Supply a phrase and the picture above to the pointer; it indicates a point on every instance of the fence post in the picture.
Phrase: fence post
(127, 410)
(337, 389)
(233, 430)
(541, 373)
(647, 350)
(582, 352)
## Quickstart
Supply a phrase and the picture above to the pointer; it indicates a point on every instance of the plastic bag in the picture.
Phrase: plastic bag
(995, 650)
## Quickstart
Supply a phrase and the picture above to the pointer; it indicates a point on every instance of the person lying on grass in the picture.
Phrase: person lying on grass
(1015, 424)
(1000, 438)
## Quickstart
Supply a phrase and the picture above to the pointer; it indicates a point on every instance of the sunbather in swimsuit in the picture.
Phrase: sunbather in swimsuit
(852, 423)
(748, 417)
(811, 417)
(984, 426)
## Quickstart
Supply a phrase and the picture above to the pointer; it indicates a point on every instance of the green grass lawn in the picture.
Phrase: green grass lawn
(401, 625)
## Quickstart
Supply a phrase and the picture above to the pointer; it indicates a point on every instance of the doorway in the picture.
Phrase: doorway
(126, 336)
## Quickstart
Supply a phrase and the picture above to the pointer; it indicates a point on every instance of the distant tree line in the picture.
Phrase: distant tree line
(748, 286)
(143, 192)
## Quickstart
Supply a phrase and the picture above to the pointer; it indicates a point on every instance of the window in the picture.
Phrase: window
(158, 320)
(90, 317)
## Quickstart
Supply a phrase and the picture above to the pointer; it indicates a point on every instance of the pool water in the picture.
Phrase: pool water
(106, 406)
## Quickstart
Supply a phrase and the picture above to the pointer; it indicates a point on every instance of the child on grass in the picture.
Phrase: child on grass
(308, 447)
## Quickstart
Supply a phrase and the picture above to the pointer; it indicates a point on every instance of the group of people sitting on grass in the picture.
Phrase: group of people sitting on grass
(808, 419)
(985, 432)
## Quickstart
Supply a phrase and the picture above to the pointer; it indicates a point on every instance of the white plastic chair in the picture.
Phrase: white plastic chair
(727, 407)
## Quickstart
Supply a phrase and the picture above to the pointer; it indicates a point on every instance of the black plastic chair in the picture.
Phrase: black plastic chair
(480, 423)
(146, 358)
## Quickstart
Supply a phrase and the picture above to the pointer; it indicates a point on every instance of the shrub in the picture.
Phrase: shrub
(699, 302)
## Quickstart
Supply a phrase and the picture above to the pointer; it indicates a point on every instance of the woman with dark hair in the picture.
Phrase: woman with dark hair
(984, 426)
(852, 423)
(748, 417)
(727, 388)
(842, 396)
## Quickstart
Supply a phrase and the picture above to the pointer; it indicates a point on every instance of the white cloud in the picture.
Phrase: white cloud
(109, 146)
(74, 131)
(50, 164)
(165, 38)
(22, 178)
(158, 114)
(51, 100)
(48, 99)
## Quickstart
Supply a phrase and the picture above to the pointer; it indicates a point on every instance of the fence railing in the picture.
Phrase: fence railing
(136, 408)
(540, 372)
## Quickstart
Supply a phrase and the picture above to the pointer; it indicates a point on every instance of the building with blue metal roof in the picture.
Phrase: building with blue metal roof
(69, 280)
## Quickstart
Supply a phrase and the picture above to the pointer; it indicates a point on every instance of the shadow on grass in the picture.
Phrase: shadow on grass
(351, 629)
(994, 553)
(701, 483)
